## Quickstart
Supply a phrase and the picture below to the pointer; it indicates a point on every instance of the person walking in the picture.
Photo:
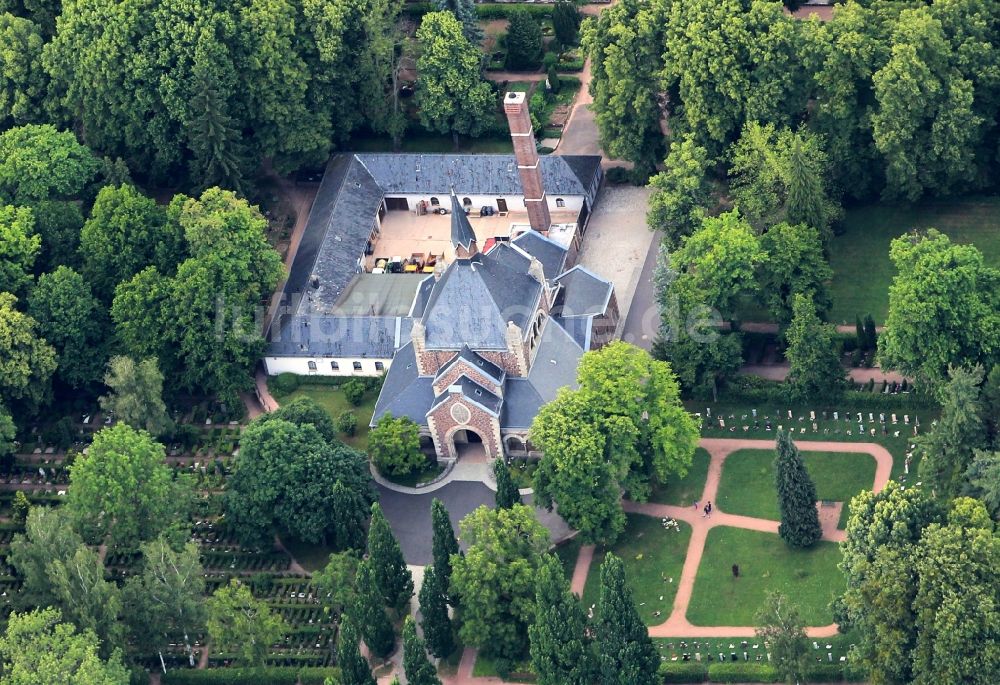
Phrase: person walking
(708, 509)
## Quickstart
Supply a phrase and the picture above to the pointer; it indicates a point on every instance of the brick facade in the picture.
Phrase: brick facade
(464, 368)
(443, 427)
(519, 118)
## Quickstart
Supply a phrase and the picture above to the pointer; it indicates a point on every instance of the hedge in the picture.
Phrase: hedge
(273, 675)
(682, 672)
(752, 390)
(742, 672)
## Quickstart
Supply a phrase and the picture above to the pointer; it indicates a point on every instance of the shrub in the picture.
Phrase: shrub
(284, 384)
(743, 672)
(394, 445)
(618, 175)
(505, 10)
(232, 676)
(566, 21)
(545, 150)
(524, 41)
(354, 391)
(347, 423)
(554, 83)
(682, 672)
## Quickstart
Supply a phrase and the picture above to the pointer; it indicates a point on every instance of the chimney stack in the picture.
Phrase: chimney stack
(516, 108)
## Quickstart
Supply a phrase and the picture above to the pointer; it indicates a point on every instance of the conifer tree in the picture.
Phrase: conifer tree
(871, 335)
(443, 544)
(416, 665)
(392, 577)
(796, 496)
(434, 615)
(465, 12)
(626, 653)
(369, 614)
(560, 650)
(347, 519)
(353, 667)
(507, 493)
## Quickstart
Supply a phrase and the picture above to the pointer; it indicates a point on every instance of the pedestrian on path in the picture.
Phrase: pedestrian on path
(708, 510)
(696, 505)
(705, 511)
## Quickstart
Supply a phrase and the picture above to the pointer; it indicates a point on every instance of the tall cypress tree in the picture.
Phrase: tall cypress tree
(434, 615)
(347, 520)
(369, 612)
(626, 653)
(507, 493)
(443, 544)
(392, 577)
(353, 667)
(796, 496)
(560, 650)
(416, 665)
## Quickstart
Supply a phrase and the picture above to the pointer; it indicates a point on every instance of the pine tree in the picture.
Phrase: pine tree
(560, 651)
(465, 12)
(443, 544)
(796, 496)
(416, 665)
(434, 621)
(507, 494)
(392, 577)
(369, 614)
(626, 655)
(353, 667)
(524, 41)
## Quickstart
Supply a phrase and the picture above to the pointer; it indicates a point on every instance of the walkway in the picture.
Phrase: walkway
(778, 372)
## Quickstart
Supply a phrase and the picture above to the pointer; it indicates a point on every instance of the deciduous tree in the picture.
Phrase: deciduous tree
(394, 445)
(136, 396)
(26, 360)
(795, 264)
(626, 655)
(465, 12)
(240, 623)
(782, 629)
(681, 192)
(796, 496)
(39, 162)
(23, 81)
(19, 246)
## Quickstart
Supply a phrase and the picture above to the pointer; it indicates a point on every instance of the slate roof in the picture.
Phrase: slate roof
(584, 293)
(473, 392)
(554, 367)
(404, 392)
(488, 368)
(473, 301)
(551, 254)
(461, 230)
(338, 336)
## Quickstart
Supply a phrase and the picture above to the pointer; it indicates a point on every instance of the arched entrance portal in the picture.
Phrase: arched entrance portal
(468, 445)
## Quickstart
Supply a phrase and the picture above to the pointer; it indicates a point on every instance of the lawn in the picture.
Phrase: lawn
(862, 271)
(747, 485)
(652, 556)
(568, 552)
(684, 491)
(486, 668)
(332, 399)
(809, 577)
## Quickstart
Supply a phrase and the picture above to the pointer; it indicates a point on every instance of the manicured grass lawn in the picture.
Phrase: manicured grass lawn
(810, 577)
(652, 556)
(684, 491)
(845, 513)
(568, 552)
(332, 399)
(747, 485)
(862, 271)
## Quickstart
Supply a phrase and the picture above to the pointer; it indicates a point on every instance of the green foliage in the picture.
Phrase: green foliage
(136, 396)
(451, 95)
(795, 264)
(983, 481)
(26, 360)
(337, 580)
(268, 675)
(122, 492)
(524, 42)
(783, 631)
(394, 445)
(566, 20)
(742, 673)
(73, 322)
(444, 546)
(495, 580)
(284, 384)
(507, 494)
(682, 672)
(19, 247)
(354, 668)
(813, 355)
(434, 621)
(354, 391)
(291, 478)
(126, 232)
(468, 13)
(626, 655)
(39, 162)
(369, 612)
(20, 506)
(237, 622)
(58, 224)
(796, 496)
(392, 577)
(944, 308)
(416, 665)
(560, 647)
(625, 46)
(38, 649)
(23, 82)
(681, 192)
(347, 423)
(305, 411)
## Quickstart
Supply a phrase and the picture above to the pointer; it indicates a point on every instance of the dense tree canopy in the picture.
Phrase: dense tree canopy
(26, 360)
(240, 623)
(136, 396)
(39, 162)
(814, 365)
(680, 192)
(394, 445)
(19, 246)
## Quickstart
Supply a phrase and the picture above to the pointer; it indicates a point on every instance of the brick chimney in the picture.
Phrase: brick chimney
(516, 107)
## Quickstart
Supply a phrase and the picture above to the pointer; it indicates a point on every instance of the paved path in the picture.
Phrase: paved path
(778, 372)
(583, 561)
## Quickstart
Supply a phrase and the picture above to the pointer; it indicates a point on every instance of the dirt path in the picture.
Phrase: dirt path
(582, 568)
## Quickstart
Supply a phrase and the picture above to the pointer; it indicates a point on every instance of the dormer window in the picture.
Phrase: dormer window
(435, 202)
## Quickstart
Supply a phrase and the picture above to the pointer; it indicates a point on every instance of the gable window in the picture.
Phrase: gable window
(466, 201)
(379, 366)
(312, 366)
(435, 202)
(357, 366)
(334, 366)
(560, 202)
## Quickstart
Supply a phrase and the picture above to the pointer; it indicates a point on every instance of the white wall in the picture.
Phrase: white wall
(300, 366)
(515, 203)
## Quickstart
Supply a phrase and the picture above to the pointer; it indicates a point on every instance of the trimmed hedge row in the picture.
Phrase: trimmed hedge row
(273, 675)
(748, 672)
(752, 390)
